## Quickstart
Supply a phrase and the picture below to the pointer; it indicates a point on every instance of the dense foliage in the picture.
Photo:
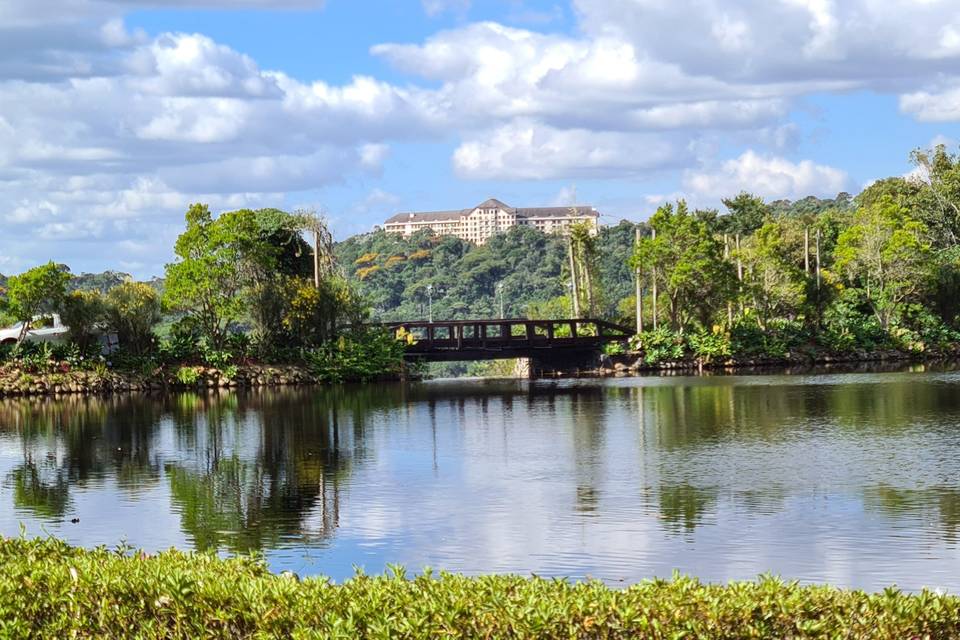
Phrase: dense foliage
(394, 273)
(50, 590)
(841, 276)
(246, 288)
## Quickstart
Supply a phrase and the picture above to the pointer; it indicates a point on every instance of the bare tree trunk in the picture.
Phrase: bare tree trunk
(316, 258)
(588, 283)
(806, 250)
(639, 287)
(818, 261)
(653, 274)
(575, 289)
(726, 256)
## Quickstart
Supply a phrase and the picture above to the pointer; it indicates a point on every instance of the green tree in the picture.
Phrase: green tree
(886, 253)
(691, 273)
(132, 310)
(937, 203)
(584, 263)
(217, 262)
(746, 214)
(774, 285)
(83, 312)
(33, 292)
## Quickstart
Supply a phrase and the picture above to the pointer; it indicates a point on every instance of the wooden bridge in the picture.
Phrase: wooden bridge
(557, 341)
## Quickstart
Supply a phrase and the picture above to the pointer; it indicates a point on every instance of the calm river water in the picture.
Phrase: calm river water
(851, 479)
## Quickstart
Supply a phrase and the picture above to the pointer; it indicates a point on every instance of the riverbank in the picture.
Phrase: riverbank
(17, 381)
(49, 589)
(633, 363)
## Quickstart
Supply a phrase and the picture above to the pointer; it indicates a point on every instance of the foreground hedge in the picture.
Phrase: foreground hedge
(51, 590)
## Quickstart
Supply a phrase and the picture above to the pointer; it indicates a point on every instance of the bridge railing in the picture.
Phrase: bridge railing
(467, 335)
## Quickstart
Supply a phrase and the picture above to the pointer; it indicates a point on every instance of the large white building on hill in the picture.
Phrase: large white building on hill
(478, 223)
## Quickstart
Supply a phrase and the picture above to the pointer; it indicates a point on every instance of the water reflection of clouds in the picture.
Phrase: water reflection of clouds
(842, 479)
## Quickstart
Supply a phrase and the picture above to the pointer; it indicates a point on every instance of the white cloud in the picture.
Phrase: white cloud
(939, 105)
(102, 124)
(531, 151)
(436, 7)
(767, 176)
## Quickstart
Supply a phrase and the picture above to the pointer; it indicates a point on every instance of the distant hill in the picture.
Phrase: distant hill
(395, 272)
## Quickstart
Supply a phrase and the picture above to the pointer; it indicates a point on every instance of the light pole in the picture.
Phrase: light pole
(500, 291)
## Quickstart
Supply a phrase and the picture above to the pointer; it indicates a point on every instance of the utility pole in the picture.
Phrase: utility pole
(430, 303)
(639, 284)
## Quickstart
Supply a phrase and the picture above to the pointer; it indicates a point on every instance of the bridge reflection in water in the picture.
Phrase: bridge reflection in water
(555, 343)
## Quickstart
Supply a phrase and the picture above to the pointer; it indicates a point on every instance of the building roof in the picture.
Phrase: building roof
(531, 212)
(558, 212)
(427, 216)
(492, 203)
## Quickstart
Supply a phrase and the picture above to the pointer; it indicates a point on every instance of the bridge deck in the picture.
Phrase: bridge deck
(497, 339)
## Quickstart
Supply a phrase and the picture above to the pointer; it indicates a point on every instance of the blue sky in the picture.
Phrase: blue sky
(116, 114)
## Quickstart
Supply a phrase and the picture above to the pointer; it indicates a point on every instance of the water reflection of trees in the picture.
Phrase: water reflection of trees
(258, 465)
(260, 468)
(245, 471)
(75, 442)
(941, 503)
(687, 421)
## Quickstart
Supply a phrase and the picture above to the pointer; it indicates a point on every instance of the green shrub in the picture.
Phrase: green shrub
(710, 346)
(659, 345)
(188, 375)
(850, 325)
(51, 590)
(132, 310)
(613, 349)
(357, 356)
(83, 312)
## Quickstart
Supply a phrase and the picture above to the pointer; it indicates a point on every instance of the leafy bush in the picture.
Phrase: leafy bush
(710, 346)
(850, 325)
(659, 345)
(51, 590)
(613, 349)
(358, 356)
(132, 310)
(83, 312)
(188, 375)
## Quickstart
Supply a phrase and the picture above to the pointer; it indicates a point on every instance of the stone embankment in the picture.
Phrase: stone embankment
(634, 363)
(17, 382)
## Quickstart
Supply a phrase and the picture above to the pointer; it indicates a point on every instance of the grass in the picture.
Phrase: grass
(51, 590)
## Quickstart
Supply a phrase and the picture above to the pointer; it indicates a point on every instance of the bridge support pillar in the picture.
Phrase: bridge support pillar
(566, 363)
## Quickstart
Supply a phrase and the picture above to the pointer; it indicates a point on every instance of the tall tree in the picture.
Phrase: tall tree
(216, 261)
(886, 253)
(746, 214)
(33, 292)
(775, 284)
(692, 275)
(585, 266)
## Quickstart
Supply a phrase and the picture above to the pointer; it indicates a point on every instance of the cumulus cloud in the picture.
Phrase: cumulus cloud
(107, 133)
(530, 151)
(767, 176)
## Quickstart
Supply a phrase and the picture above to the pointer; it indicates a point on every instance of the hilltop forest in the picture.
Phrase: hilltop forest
(849, 274)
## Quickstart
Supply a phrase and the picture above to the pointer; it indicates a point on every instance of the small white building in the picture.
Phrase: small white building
(488, 218)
